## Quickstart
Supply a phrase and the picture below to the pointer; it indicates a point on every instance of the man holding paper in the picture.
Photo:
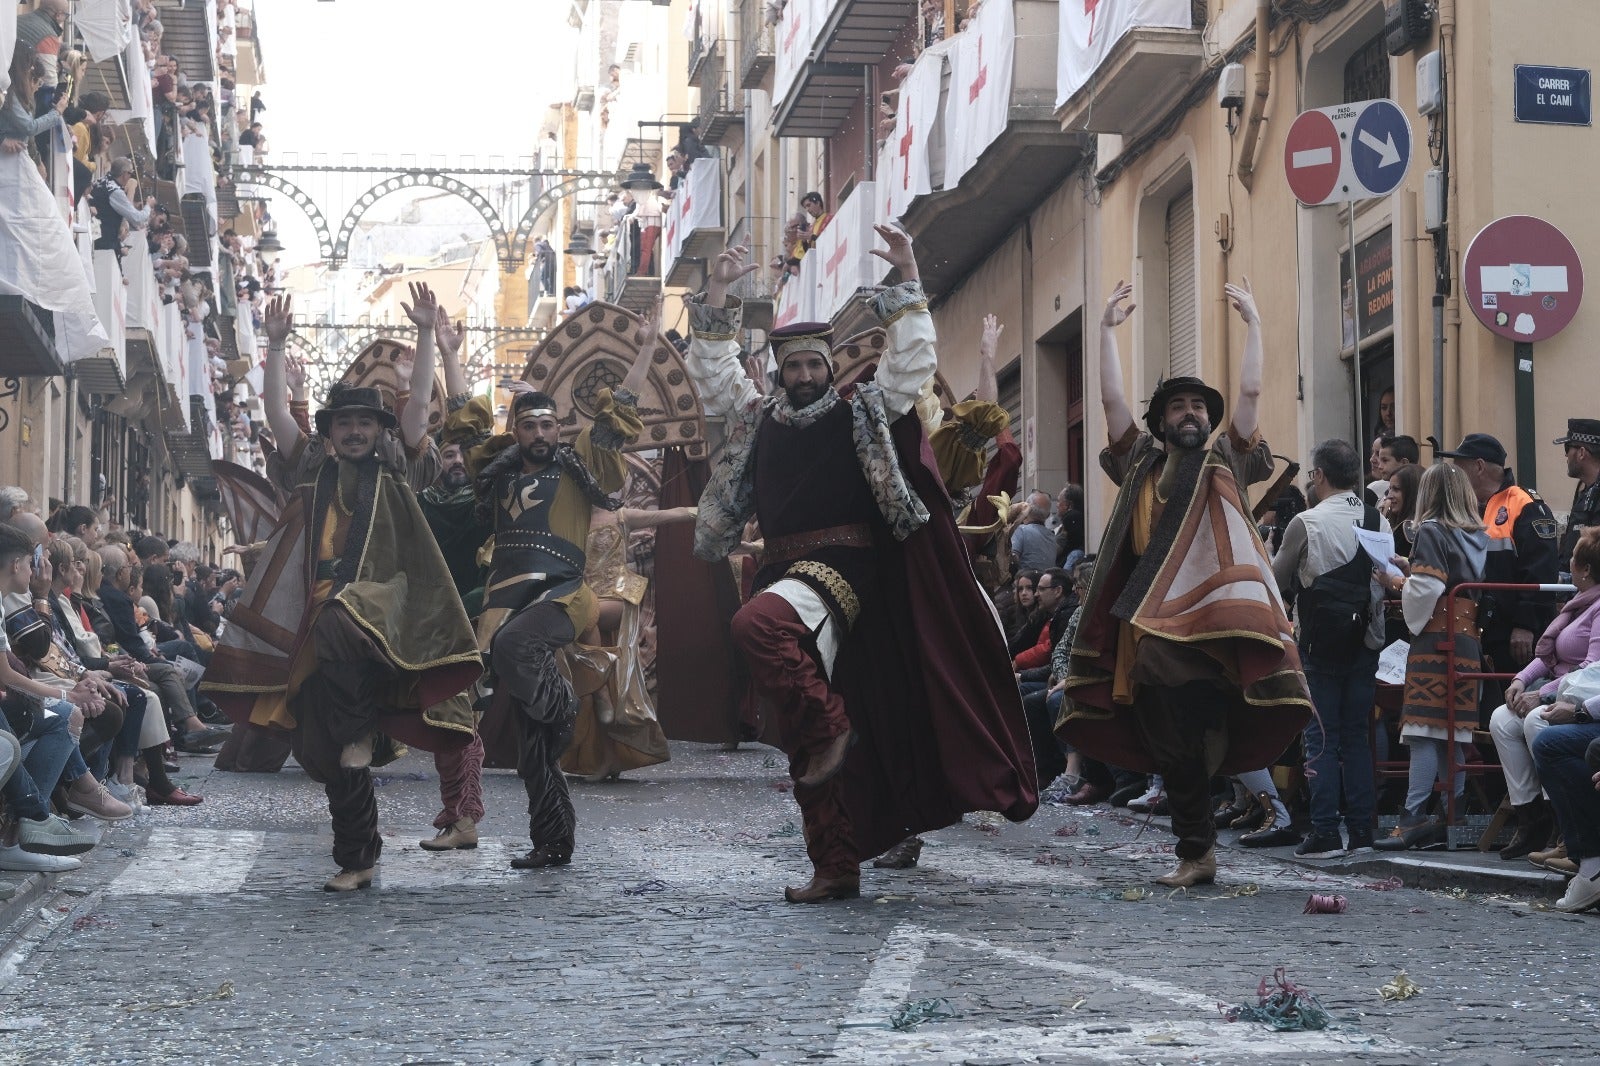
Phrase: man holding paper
(1325, 561)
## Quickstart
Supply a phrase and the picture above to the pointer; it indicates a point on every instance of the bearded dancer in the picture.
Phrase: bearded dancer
(1184, 662)
(450, 505)
(541, 493)
(349, 626)
(867, 629)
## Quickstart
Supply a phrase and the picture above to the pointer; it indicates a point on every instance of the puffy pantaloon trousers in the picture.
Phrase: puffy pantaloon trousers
(787, 671)
(1185, 730)
(523, 656)
(337, 705)
(460, 783)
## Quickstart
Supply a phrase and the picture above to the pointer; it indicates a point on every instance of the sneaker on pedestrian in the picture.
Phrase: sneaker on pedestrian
(1582, 893)
(1147, 802)
(1320, 846)
(90, 797)
(1360, 838)
(14, 858)
(51, 835)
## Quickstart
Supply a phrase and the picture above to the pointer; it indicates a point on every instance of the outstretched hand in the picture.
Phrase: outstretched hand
(648, 335)
(726, 269)
(991, 337)
(448, 334)
(1116, 314)
(279, 319)
(899, 254)
(294, 374)
(1243, 301)
(423, 310)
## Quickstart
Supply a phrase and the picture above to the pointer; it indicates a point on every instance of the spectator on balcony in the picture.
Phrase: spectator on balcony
(816, 220)
(648, 215)
(257, 105)
(18, 122)
(676, 166)
(115, 199)
(88, 141)
(39, 37)
(544, 256)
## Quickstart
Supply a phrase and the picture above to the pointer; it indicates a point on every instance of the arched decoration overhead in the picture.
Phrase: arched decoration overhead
(422, 179)
(547, 200)
(855, 356)
(299, 197)
(383, 364)
(592, 349)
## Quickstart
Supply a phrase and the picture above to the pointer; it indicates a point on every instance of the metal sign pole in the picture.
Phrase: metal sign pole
(1527, 463)
(1355, 344)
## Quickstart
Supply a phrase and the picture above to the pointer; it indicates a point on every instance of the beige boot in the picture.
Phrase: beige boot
(1191, 872)
(462, 835)
(349, 880)
(357, 755)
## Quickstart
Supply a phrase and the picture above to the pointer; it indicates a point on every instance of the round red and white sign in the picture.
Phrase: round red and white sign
(1312, 158)
(1522, 278)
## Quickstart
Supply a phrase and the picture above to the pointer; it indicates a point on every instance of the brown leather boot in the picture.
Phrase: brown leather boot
(463, 834)
(820, 889)
(903, 856)
(829, 761)
(349, 880)
(1191, 872)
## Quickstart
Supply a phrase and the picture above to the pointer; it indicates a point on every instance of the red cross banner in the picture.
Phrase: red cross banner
(696, 205)
(1090, 27)
(797, 29)
(980, 87)
(904, 166)
(843, 251)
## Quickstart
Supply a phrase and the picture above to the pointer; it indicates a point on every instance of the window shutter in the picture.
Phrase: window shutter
(1182, 301)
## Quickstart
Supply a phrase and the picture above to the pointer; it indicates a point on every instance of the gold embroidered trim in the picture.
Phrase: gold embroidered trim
(836, 585)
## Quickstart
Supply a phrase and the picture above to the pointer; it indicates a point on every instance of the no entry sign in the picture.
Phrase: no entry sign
(1347, 152)
(1522, 278)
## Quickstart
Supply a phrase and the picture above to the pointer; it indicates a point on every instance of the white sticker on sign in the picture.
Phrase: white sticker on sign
(1490, 301)
(1521, 279)
(1524, 324)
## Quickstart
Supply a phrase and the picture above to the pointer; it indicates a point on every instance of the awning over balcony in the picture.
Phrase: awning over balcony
(1122, 63)
(997, 89)
(861, 31)
(26, 347)
(103, 372)
(693, 229)
(813, 97)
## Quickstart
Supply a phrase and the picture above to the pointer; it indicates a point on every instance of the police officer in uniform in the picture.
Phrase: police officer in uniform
(1522, 550)
(1582, 444)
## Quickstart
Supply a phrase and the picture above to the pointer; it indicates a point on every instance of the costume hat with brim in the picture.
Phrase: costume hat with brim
(1582, 431)
(801, 337)
(1166, 390)
(354, 398)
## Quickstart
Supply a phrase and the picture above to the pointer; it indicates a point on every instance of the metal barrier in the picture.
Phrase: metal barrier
(1453, 678)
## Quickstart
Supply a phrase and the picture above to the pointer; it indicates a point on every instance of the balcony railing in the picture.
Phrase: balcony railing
(755, 44)
(1122, 79)
(720, 115)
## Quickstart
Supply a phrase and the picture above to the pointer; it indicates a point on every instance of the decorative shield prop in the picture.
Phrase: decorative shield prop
(854, 357)
(383, 364)
(592, 349)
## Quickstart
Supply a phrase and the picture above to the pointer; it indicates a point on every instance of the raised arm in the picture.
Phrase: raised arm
(1246, 409)
(713, 359)
(278, 322)
(448, 336)
(909, 359)
(648, 337)
(423, 310)
(988, 383)
(1113, 400)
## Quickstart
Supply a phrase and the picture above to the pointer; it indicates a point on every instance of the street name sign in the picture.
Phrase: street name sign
(1557, 96)
(1348, 152)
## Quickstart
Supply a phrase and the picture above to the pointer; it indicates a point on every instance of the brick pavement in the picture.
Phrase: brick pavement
(667, 941)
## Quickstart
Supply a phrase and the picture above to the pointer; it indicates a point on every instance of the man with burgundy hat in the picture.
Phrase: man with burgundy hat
(1582, 444)
(349, 627)
(896, 705)
(1184, 662)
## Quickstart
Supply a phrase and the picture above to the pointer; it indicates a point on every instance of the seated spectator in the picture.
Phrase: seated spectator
(1450, 550)
(1568, 763)
(1034, 545)
(1022, 616)
(1571, 641)
(1052, 591)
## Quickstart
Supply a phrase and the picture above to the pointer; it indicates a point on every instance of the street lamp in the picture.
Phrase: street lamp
(269, 243)
(640, 177)
(579, 248)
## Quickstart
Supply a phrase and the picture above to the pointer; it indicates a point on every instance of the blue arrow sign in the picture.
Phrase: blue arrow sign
(1380, 147)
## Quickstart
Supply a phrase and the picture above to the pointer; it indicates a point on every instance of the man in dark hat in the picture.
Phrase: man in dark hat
(1184, 662)
(897, 708)
(1523, 545)
(540, 493)
(348, 626)
(1582, 444)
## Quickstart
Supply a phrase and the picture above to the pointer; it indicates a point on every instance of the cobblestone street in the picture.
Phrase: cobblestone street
(203, 936)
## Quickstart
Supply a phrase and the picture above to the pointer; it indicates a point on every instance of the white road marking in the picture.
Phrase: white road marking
(866, 1036)
(190, 861)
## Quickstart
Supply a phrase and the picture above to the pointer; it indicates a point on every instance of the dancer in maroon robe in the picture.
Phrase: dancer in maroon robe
(868, 634)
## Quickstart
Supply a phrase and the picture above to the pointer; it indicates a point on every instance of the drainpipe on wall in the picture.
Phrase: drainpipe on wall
(1258, 103)
(1452, 307)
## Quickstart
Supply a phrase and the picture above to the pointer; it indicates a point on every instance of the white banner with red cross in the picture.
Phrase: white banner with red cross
(843, 251)
(980, 87)
(1090, 27)
(696, 205)
(797, 31)
(904, 168)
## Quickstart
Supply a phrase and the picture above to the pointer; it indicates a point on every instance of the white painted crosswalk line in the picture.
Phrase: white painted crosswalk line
(190, 862)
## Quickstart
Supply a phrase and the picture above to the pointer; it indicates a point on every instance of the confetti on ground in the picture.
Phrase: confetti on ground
(1321, 904)
(1402, 987)
(224, 991)
(646, 888)
(1388, 884)
(917, 1011)
(1286, 1008)
(1071, 829)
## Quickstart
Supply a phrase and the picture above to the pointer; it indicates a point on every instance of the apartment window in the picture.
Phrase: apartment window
(1366, 72)
(1183, 342)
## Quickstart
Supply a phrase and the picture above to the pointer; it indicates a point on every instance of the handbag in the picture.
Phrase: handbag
(1580, 686)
